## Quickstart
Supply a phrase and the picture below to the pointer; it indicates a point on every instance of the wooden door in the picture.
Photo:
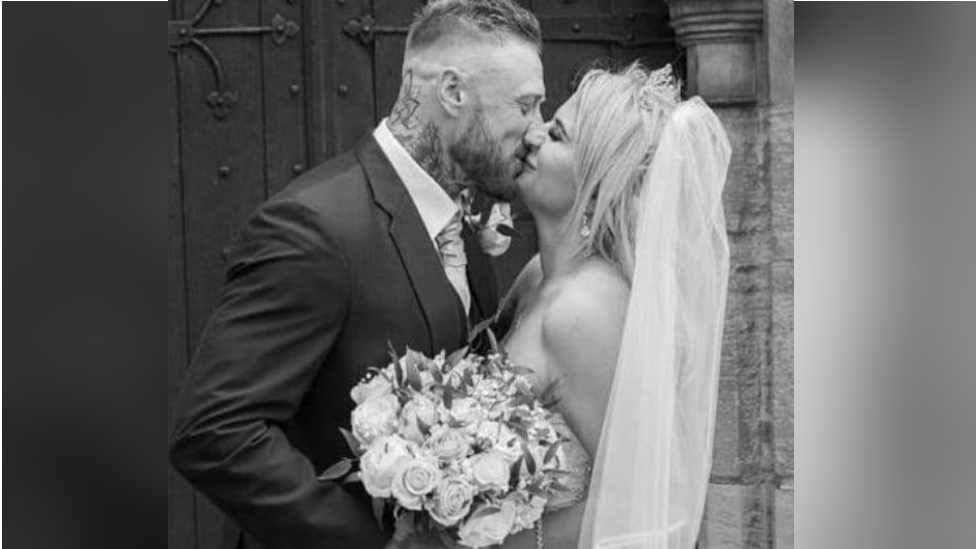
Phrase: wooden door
(259, 90)
(238, 133)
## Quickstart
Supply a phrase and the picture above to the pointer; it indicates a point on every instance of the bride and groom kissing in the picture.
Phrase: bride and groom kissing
(620, 314)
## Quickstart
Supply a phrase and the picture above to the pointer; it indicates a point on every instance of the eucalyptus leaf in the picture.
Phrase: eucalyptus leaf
(456, 357)
(354, 444)
(529, 461)
(337, 471)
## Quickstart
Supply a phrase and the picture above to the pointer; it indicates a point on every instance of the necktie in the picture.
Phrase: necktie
(451, 247)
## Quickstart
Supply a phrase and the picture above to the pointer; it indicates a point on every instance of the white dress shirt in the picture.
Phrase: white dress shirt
(434, 204)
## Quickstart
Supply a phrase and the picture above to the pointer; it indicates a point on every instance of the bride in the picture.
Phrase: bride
(620, 315)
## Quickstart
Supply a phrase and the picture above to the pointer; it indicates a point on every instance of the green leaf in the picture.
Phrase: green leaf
(448, 395)
(413, 377)
(379, 505)
(480, 327)
(423, 426)
(394, 357)
(548, 398)
(414, 357)
(551, 454)
(492, 341)
(513, 478)
(559, 472)
(521, 430)
(354, 444)
(337, 471)
(456, 357)
(522, 399)
(398, 372)
(485, 511)
(529, 461)
(354, 477)
(560, 487)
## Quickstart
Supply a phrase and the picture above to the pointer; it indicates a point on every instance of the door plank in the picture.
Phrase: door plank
(284, 105)
(182, 520)
(217, 201)
(348, 86)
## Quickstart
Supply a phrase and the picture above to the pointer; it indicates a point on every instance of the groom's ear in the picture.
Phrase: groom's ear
(452, 93)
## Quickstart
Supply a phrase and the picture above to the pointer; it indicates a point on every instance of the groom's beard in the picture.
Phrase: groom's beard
(480, 156)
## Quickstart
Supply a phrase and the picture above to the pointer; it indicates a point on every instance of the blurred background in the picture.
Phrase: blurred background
(259, 92)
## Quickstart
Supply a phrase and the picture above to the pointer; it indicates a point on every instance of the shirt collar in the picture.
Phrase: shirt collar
(434, 204)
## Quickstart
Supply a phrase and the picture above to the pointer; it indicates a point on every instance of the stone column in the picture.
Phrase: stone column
(723, 45)
(740, 60)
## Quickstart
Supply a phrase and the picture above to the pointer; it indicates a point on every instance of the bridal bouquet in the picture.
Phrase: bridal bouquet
(459, 440)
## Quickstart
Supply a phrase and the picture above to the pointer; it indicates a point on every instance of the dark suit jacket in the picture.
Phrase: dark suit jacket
(324, 277)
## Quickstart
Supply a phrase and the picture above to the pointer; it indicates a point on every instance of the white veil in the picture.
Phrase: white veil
(651, 472)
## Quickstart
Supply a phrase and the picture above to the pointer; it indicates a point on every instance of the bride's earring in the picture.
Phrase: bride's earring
(585, 231)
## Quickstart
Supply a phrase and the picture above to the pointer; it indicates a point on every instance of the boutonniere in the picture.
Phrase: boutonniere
(495, 230)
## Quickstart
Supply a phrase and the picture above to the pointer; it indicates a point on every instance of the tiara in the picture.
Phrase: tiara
(659, 90)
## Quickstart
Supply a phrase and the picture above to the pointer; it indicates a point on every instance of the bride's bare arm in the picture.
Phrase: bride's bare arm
(581, 337)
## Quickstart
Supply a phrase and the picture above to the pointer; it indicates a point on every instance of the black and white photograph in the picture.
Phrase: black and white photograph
(480, 273)
(474, 274)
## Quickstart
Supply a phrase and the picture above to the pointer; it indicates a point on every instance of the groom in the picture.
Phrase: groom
(367, 250)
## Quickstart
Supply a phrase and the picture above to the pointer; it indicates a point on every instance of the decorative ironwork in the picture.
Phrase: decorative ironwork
(616, 28)
(365, 27)
(184, 34)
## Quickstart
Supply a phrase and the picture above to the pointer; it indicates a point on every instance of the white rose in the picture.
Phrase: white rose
(452, 501)
(413, 480)
(448, 444)
(375, 386)
(381, 462)
(415, 411)
(486, 528)
(501, 439)
(488, 389)
(466, 410)
(375, 418)
(490, 471)
(491, 240)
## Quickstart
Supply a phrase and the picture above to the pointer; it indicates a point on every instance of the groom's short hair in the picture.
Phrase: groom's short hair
(492, 19)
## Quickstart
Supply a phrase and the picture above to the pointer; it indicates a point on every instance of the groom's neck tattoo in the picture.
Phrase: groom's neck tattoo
(403, 117)
(423, 139)
(427, 149)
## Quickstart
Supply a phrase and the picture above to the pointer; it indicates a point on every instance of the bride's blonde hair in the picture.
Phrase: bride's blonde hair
(619, 118)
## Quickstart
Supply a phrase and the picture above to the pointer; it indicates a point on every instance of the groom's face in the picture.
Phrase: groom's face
(507, 91)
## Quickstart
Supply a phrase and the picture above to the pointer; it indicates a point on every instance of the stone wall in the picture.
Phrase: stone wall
(751, 499)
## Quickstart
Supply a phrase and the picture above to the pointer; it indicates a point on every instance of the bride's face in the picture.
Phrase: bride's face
(548, 181)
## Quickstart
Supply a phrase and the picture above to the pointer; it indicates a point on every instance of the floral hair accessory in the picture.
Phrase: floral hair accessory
(660, 90)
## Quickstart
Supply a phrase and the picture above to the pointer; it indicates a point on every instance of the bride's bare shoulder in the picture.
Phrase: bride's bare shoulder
(585, 321)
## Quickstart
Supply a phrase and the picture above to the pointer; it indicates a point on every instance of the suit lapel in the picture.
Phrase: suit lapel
(420, 260)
